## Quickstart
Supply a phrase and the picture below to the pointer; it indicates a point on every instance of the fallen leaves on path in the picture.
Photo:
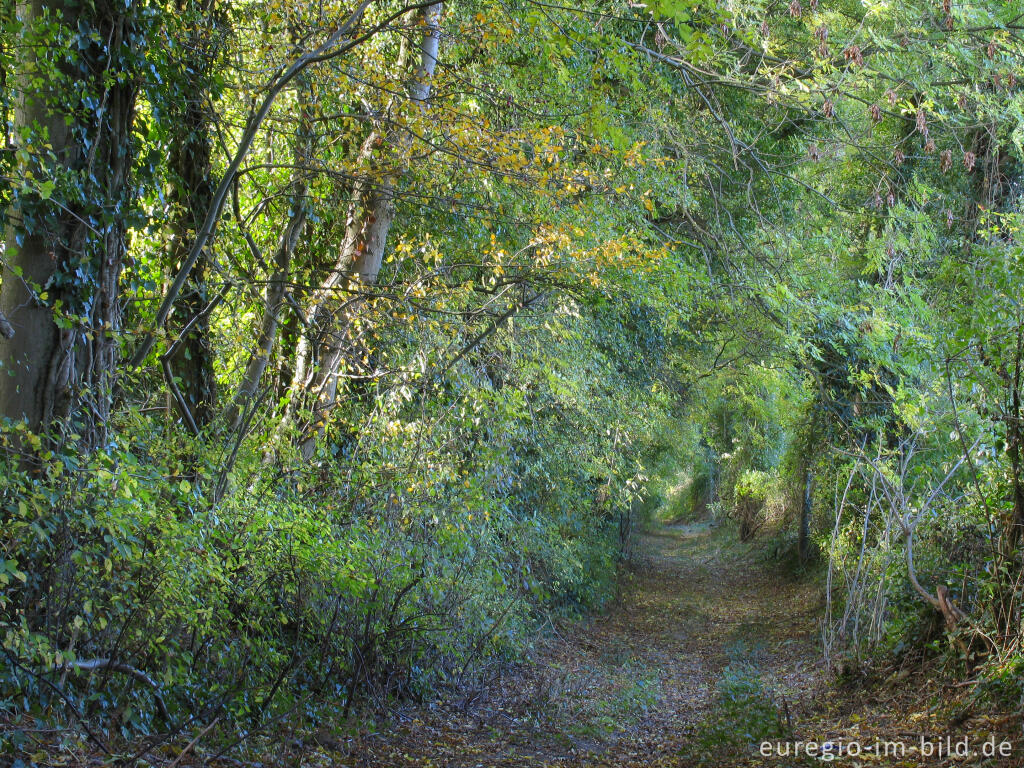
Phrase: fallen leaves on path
(636, 685)
(707, 651)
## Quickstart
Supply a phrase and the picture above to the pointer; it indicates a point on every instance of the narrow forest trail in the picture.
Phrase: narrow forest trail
(639, 685)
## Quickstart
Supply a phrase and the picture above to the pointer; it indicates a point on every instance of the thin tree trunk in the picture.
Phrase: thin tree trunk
(275, 294)
(371, 212)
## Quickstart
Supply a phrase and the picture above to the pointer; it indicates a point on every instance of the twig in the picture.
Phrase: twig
(194, 741)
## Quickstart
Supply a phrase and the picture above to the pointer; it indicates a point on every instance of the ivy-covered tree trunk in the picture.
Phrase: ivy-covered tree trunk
(32, 250)
(190, 195)
(65, 244)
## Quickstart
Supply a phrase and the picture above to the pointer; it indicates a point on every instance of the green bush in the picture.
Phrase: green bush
(145, 584)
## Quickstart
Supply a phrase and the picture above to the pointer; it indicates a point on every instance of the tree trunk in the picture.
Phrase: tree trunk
(30, 350)
(190, 195)
(274, 296)
(64, 254)
(803, 544)
(371, 212)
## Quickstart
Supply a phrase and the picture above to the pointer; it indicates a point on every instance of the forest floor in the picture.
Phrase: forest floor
(710, 650)
(707, 650)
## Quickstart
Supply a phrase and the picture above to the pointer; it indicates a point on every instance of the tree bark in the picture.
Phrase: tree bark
(371, 212)
(190, 195)
(64, 254)
(29, 351)
(803, 544)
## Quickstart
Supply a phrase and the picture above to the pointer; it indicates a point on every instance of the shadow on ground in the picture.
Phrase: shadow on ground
(705, 650)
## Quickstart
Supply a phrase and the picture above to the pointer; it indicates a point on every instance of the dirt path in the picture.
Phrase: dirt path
(704, 646)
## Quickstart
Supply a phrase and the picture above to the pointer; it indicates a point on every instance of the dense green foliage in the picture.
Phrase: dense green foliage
(344, 344)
